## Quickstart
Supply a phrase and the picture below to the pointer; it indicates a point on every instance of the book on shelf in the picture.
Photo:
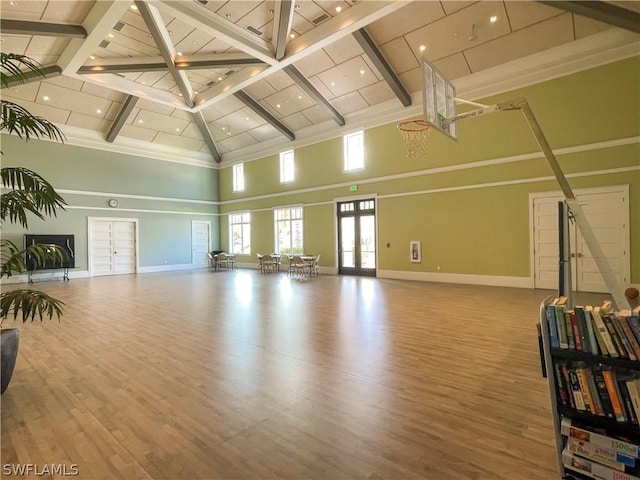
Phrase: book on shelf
(550, 311)
(606, 456)
(560, 304)
(623, 336)
(634, 323)
(628, 331)
(583, 328)
(607, 318)
(614, 394)
(604, 333)
(570, 428)
(601, 387)
(593, 469)
(633, 386)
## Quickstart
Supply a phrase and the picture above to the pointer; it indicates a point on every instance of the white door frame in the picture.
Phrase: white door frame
(111, 219)
(208, 224)
(619, 189)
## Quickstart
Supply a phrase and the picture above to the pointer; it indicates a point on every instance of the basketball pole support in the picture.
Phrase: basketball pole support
(611, 281)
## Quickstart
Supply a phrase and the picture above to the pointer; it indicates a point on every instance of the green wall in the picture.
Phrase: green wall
(87, 178)
(475, 219)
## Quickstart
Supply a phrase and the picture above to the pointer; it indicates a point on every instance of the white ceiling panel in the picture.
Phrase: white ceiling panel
(237, 141)
(87, 121)
(454, 6)
(372, 67)
(287, 101)
(320, 86)
(527, 41)
(310, 11)
(315, 114)
(234, 11)
(315, 63)
(73, 100)
(410, 17)
(66, 82)
(161, 123)
(260, 90)
(179, 30)
(349, 103)
(182, 115)
(113, 111)
(192, 131)
(413, 80)
(66, 11)
(15, 43)
(177, 141)
(377, 93)
(137, 133)
(344, 49)
(399, 55)
(347, 77)
(32, 10)
(193, 42)
(452, 67)
(456, 32)
(97, 91)
(280, 80)
(296, 121)
(46, 46)
(53, 114)
(586, 26)
(26, 92)
(523, 14)
(263, 133)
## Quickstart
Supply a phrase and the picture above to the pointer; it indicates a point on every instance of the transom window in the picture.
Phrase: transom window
(238, 177)
(286, 166)
(240, 233)
(353, 151)
(288, 230)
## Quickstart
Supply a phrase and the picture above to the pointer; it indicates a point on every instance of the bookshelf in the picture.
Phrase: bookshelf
(594, 387)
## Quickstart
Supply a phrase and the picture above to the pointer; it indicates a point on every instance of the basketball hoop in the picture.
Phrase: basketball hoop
(415, 134)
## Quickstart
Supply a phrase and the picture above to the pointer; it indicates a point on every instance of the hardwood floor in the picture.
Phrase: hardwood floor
(233, 375)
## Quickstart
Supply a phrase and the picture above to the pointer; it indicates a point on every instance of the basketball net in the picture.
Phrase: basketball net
(415, 134)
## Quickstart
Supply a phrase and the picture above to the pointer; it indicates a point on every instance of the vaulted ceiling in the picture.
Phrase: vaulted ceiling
(220, 81)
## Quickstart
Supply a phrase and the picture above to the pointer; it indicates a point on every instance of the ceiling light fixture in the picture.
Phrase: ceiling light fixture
(179, 54)
(338, 9)
(140, 121)
(278, 105)
(422, 48)
(98, 111)
(133, 7)
(45, 98)
(292, 35)
(362, 71)
(177, 129)
(493, 19)
(92, 57)
(111, 35)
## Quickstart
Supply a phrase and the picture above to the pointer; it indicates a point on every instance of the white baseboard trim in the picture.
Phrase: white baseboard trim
(168, 268)
(488, 280)
(44, 276)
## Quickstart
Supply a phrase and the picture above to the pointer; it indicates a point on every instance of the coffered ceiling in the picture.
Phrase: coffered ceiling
(224, 81)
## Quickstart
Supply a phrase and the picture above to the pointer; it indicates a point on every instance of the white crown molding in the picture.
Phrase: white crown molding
(87, 138)
(605, 47)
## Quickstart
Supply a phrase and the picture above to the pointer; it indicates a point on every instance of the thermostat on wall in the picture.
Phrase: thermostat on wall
(113, 203)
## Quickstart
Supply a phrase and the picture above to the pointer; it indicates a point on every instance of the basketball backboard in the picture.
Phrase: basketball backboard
(439, 100)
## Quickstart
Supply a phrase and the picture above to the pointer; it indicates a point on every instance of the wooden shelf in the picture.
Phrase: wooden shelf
(577, 355)
(624, 429)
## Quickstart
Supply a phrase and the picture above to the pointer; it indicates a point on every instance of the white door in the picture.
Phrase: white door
(112, 246)
(200, 242)
(608, 214)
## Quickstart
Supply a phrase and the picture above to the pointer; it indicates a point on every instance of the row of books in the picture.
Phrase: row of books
(599, 390)
(596, 330)
(597, 454)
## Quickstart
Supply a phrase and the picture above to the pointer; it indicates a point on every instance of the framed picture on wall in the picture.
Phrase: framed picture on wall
(415, 251)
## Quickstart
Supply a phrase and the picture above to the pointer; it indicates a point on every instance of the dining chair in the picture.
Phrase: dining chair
(222, 261)
(316, 266)
(268, 264)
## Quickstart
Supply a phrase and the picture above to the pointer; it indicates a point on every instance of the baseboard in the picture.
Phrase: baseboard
(488, 280)
(168, 268)
(44, 276)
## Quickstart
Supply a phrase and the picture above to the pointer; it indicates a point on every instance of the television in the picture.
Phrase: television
(65, 242)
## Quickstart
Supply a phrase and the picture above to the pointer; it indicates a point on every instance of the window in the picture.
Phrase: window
(238, 177)
(286, 166)
(288, 230)
(353, 151)
(240, 233)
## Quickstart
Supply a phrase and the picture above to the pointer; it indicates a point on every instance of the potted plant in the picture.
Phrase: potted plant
(26, 192)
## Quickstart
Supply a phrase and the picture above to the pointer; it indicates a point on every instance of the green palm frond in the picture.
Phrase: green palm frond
(29, 192)
(14, 259)
(10, 64)
(17, 120)
(29, 303)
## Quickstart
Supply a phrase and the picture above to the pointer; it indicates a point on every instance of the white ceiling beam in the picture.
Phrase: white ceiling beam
(282, 21)
(162, 37)
(100, 20)
(208, 22)
(344, 24)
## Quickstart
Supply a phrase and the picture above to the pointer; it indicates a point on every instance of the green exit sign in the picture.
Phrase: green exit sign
(353, 188)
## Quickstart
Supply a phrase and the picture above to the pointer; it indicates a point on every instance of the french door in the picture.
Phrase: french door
(357, 237)
(200, 243)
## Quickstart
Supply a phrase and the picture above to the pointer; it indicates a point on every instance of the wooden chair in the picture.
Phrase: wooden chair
(316, 266)
(222, 261)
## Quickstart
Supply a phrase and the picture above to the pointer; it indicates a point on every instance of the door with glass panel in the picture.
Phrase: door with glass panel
(357, 237)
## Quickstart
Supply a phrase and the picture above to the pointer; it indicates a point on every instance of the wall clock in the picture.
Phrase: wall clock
(113, 203)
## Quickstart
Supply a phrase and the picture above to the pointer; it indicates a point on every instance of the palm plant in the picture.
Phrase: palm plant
(27, 193)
